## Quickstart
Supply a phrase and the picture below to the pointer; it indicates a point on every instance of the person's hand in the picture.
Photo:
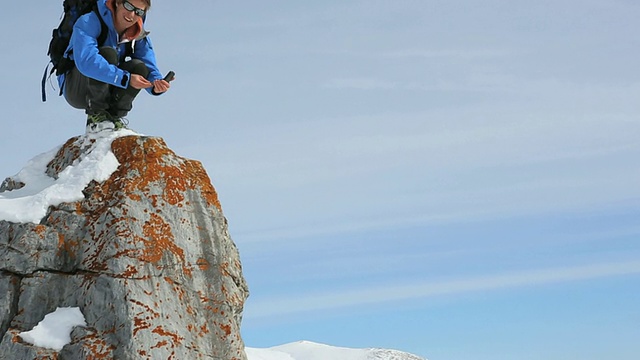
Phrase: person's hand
(139, 82)
(160, 86)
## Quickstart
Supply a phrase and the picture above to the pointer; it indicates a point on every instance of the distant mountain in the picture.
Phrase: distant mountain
(307, 350)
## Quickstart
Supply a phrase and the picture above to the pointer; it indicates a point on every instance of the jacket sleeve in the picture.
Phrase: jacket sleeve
(143, 50)
(84, 46)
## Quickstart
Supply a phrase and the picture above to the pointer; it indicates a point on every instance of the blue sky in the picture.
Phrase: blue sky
(457, 179)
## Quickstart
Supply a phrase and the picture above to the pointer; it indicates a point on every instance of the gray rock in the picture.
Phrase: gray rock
(9, 290)
(146, 256)
(25, 248)
(10, 184)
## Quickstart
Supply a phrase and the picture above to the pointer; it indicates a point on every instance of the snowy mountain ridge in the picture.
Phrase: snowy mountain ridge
(307, 350)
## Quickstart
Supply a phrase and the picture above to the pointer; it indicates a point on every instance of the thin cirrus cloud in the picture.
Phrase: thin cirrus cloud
(476, 165)
(468, 54)
(474, 82)
(363, 84)
(304, 303)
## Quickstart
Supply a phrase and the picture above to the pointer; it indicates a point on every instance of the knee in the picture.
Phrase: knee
(136, 66)
(110, 54)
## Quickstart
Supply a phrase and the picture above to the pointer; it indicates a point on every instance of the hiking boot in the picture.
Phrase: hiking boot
(100, 121)
(105, 121)
(119, 123)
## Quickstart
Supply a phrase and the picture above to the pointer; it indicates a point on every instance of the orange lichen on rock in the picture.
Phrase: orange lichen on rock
(41, 230)
(67, 246)
(129, 272)
(204, 330)
(160, 344)
(140, 324)
(98, 348)
(203, 264)
(162, 332)
(158, 239)
(224, 268)
(57, 164)
(153, 162)
(226, 329)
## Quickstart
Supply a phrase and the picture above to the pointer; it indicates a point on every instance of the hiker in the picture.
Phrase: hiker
(103, 82)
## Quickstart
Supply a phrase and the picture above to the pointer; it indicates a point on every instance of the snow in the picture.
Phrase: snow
(307, 350)
(54, 331)
(30, 203)
(266, 354)
(313, 351)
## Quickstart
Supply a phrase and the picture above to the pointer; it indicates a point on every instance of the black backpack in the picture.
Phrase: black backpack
(73, 9)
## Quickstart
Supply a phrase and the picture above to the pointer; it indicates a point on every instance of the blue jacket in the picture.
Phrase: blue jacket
(84, 43)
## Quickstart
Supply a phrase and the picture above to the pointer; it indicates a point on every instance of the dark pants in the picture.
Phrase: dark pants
(95, 96)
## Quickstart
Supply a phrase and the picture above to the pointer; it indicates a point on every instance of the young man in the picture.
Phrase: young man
(107, 77)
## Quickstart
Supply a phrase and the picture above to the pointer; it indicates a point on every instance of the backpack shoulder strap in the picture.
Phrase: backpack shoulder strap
(44, 82)
(104, 31)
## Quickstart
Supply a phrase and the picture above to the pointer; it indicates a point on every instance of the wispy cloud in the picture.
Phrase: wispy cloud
(468, 54)
(475, 83)
(292, 304)
(426, 168)
(362, 84)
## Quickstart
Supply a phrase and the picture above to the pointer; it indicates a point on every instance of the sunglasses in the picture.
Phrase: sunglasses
(129, 7)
